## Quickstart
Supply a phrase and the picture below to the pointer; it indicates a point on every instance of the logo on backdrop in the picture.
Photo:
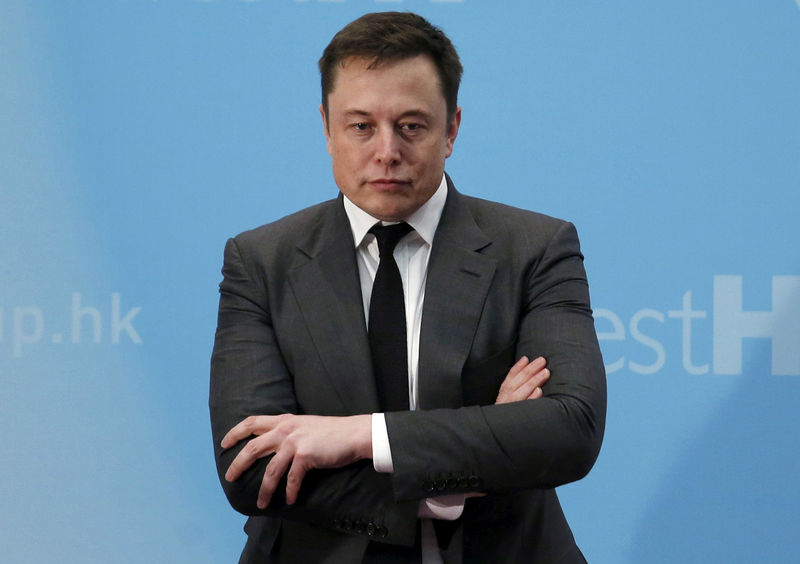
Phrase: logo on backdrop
(26, 326)
(730, 325)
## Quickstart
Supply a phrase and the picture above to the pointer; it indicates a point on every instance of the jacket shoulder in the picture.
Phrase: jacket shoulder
(286, 231)
(502, 220)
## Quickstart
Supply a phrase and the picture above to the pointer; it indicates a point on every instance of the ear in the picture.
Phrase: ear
(452, 131)
(325, 128)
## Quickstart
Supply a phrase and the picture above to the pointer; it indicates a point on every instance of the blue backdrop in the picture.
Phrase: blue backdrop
(137, 136)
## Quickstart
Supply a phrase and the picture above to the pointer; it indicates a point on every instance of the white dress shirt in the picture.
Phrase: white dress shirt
(411, 255)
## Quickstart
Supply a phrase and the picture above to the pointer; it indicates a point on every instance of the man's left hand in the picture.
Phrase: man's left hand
(299, 443)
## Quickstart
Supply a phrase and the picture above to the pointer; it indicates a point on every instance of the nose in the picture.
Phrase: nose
(387, 147)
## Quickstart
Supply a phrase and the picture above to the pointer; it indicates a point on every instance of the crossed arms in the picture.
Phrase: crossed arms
(512, 445)
(301, 443)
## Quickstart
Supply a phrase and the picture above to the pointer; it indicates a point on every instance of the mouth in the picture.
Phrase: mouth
(390, 184)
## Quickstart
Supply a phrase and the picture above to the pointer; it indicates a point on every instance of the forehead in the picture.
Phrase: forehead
(359, 78)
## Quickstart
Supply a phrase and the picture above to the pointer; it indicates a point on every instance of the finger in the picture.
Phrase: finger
(240, 431)
(252, 451)
(507, 384)
(532, 384)
(541, 377)
(294, 479)
(272, 476)
(528, 373)
(528, 388)
(518, 366)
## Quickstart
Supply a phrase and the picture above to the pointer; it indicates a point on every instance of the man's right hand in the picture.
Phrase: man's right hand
(524, 381)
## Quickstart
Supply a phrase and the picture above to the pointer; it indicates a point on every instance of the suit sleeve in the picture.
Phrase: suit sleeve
(250, 377)
(539, 443)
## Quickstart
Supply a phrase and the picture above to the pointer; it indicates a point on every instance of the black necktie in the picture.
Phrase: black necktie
(387, 322)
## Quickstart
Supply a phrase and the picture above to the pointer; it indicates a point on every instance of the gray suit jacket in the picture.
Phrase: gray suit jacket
(291, 338)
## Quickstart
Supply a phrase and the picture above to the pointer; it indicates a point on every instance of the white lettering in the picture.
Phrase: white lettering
(687, 314)
(781, 325)
(78, 313)
(22, 337)
(118, 325)
(647, 341)
(618, 334)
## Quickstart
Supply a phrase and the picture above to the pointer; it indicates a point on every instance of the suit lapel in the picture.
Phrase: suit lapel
(326, 284)
(458, 281)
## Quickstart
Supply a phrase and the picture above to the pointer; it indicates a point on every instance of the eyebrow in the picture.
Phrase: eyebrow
(355, 112)
(417, 112)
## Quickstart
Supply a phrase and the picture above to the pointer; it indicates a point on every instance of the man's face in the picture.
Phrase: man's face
(388, 134)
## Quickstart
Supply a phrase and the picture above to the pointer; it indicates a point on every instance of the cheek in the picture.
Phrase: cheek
(348, 154)
(434, 151)
(346, 165)
(338, 157)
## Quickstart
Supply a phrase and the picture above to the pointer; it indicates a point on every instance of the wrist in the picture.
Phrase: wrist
(362, 436)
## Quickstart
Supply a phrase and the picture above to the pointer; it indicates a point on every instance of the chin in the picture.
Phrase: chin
(389, 216)
(389, 212)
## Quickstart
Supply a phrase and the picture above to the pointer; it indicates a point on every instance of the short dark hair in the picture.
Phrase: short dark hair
(393, 36)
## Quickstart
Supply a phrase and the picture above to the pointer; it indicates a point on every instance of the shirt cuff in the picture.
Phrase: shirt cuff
(381, 451)
(445, 507)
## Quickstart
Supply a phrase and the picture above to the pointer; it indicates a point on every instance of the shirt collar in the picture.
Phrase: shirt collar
(424, 221)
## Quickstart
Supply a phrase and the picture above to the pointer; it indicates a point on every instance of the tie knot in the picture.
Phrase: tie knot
(389, 235)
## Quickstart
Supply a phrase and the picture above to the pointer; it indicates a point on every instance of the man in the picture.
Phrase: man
(347, 438)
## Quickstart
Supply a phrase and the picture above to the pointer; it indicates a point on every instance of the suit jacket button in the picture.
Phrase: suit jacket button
(427, 486)
(474, 481)
(382, 532)
(347, 525)
(337, 524)
(452, 482)
(440, 484)
(463, 482)
(360, 527)
(371, 529)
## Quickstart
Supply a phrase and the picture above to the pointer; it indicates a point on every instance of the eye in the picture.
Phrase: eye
(411, 128)
(361, 126)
